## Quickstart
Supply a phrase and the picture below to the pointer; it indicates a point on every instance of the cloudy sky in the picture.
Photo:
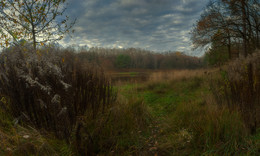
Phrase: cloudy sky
(158, 25)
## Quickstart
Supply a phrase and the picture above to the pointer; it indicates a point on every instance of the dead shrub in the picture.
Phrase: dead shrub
(239, 88)
(50, 88)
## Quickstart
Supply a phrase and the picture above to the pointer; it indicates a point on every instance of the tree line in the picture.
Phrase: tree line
(134, 58)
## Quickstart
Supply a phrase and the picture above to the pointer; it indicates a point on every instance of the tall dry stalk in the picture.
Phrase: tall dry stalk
(240, 88)
(51, 88)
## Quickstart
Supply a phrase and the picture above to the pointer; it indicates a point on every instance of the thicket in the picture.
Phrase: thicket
(51, 89)
(239, 89)
(112, 59)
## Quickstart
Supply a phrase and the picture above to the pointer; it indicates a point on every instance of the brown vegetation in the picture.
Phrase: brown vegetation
(239, 88)
(50, 89)
(172, 75)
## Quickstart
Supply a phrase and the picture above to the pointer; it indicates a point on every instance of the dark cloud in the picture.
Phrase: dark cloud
(159, 25)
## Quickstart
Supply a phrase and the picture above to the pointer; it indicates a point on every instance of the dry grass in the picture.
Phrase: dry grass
(23, 141)
(171, 75)
(116, 131)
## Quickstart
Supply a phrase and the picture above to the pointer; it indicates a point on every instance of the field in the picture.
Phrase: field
(184, 117)
(171, 112)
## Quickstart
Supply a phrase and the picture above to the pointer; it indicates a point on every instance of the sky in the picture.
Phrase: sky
(157, 25)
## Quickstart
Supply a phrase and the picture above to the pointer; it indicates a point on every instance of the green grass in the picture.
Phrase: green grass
(164, 97)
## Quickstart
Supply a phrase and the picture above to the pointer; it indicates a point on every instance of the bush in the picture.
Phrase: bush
(240, 88)
(50, 88)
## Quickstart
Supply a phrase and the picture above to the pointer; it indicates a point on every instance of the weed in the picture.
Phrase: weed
(239, 88)
(50, 88)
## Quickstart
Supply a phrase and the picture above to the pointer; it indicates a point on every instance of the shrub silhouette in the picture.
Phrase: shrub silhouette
(51, 88)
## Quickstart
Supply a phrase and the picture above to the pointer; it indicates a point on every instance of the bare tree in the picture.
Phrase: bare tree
(39, 21)
(213, 25)
(236, 21)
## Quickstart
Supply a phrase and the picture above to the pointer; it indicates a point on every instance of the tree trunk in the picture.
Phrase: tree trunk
(229, 46)
(257, 39)
(34, 37)
(32, 24)
(251, 105)
(229, 52)
(244, 27)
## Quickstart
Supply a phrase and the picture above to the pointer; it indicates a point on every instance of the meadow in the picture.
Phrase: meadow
(185, 117)
(135, 112)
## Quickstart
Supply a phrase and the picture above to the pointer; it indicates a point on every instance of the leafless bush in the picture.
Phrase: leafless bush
(240, 88)
(50, 88)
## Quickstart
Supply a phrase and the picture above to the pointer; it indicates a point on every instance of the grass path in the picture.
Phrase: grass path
(162, 100)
